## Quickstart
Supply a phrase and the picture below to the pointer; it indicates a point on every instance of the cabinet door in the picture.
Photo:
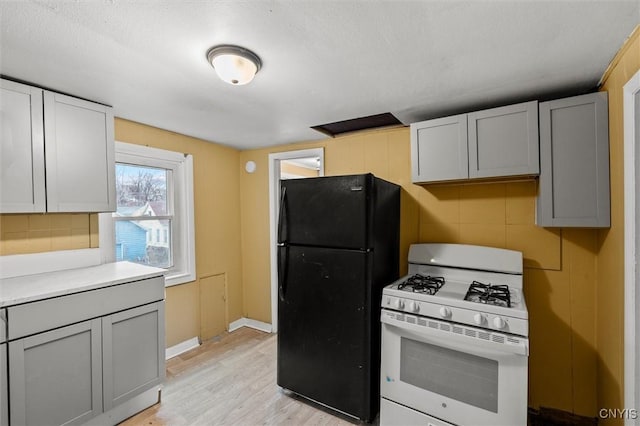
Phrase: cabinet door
(22, 188)
(4, 384)
(439, 149)
(504, 141)
(133, 344)
(574, 158)
(55, 377)
(80, 162)
(4, 390)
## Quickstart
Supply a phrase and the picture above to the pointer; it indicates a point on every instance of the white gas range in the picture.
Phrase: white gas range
(455, 339)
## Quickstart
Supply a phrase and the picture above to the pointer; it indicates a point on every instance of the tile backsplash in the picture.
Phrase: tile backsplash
(36, 233)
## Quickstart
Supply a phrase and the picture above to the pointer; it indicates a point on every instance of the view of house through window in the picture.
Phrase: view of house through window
(144, 215)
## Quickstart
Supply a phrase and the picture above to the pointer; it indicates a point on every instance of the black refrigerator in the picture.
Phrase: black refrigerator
(338, 246)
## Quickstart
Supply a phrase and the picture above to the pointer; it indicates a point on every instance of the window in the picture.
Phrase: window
(153, 223)
(144, 206)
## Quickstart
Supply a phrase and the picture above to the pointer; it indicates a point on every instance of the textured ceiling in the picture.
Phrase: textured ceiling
(323, 61)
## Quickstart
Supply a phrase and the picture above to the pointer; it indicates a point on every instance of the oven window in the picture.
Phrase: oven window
(457, 375)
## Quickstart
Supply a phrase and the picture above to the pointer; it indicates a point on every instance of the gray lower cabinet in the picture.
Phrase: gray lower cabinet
(574, 158)
(4, 389)
(133, 356)
(90, 356)
(56, 377)
(492, 143)
(4, 383)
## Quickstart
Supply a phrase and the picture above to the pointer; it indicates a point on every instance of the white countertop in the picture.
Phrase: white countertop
(30, 288)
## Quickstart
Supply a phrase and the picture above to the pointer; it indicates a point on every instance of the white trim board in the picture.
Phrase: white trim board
(631, 255)
(181, 348)
(39, 263)
(274, 204)
(251, 323)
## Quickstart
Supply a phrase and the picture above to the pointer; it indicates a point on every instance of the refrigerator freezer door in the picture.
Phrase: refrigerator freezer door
(323, 343)
(326, 212)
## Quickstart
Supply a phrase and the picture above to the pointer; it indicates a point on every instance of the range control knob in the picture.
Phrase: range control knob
(414, 306)
(399, 303)
(499, 323)
(479, 318)
(387, 301)
(445, 312)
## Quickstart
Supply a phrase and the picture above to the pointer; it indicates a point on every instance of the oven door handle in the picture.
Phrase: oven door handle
(450, 339)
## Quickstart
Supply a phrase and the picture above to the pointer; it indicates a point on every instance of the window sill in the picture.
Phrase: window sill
(177, 279)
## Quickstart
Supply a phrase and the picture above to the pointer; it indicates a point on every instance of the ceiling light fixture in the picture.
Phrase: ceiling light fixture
(234, 64)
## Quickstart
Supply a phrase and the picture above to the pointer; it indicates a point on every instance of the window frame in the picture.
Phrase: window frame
(183, 231)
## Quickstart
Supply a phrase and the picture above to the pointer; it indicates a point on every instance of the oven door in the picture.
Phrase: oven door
(459, 374)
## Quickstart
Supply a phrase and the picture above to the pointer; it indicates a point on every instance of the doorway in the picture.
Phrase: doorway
(286, 165)
(631, 105)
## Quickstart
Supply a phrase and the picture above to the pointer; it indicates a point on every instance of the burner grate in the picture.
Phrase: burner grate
(489, 294)
(422, 284)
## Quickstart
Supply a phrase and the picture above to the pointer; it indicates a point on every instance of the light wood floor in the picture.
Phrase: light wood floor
(231, 381)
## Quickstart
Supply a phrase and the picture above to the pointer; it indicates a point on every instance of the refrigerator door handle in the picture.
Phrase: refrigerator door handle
(283, 260)
(282, 218)
(283, 250)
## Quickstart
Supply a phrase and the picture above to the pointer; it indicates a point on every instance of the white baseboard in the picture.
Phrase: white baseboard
(182, 347)
(193, 343)
(251, 323)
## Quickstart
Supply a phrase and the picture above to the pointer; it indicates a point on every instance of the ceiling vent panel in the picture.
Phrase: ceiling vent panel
(355, 124)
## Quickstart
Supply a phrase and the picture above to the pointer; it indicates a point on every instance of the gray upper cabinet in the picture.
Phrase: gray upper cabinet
(439, 149)
(57, 152)
(574, 158)
(80, 156)
(22, 187)
(492, 143)
(504, 141)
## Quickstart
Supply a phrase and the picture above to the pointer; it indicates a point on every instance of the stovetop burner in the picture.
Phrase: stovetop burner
(422, 284)
(489, 294)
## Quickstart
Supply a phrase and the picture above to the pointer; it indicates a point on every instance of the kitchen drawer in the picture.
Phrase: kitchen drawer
(3, 325)
(36, 317)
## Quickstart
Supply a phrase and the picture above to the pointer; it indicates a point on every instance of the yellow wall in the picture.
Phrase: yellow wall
(559, 264)
(217, 230)
(217, 225)
(610, 292)
(254, 189)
